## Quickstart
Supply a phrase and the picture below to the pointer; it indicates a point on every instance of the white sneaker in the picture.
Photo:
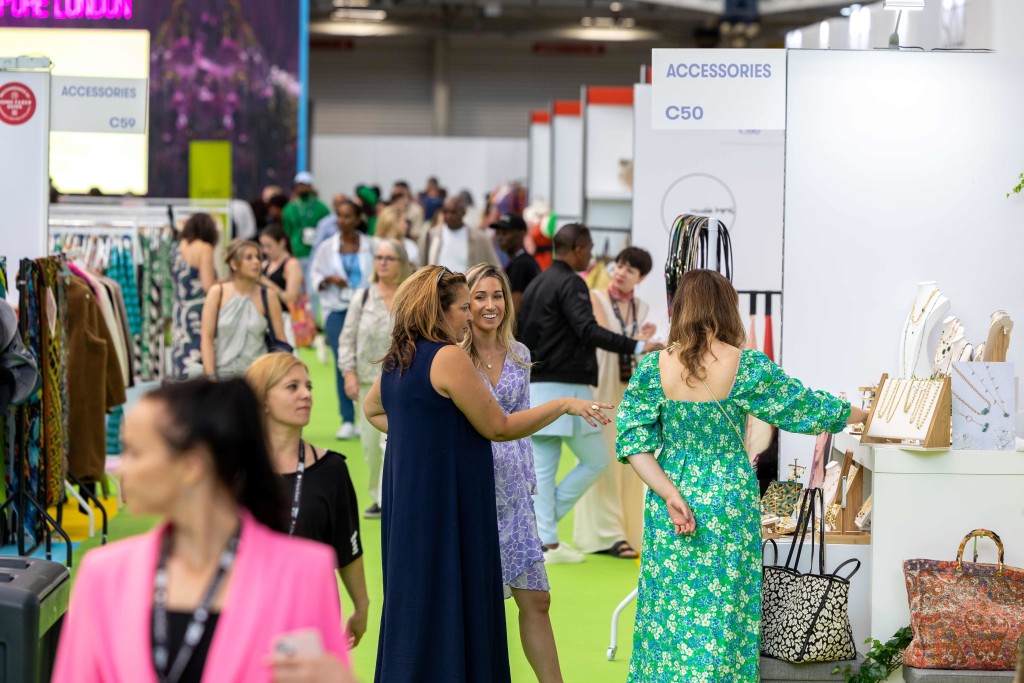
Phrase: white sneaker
(323, 353)
(563, 554)
(346, 432)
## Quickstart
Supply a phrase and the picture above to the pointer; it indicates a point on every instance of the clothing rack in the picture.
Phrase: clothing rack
(755, 293)
(693, 241)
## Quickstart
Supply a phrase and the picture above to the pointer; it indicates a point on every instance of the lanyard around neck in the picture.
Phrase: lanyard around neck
(618, 316)
(166, 671)
(300, 470)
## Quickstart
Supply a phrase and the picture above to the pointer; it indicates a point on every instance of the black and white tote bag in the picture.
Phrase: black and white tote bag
(804, 617)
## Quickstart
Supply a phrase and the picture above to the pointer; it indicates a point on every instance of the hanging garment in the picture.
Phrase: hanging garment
(186, 319)
(94, 379)
(55, 410)
(3, 277)
(758, 433)
(29, 435)
(122, 271)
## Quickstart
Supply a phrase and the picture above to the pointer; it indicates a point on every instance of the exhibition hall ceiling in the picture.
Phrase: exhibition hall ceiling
(689, 21)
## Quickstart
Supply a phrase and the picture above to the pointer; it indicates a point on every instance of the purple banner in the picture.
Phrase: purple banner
(219, 70)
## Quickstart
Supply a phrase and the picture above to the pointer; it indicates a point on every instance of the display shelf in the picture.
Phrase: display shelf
(610, 196)
(863, 454)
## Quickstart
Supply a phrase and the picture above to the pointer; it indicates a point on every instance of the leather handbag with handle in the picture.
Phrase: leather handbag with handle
(964, 615)
(805, 616)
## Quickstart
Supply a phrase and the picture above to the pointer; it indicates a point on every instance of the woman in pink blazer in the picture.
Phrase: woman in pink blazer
(217, 592)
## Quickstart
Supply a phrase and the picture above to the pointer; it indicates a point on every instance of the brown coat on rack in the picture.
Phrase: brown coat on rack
(95, 384)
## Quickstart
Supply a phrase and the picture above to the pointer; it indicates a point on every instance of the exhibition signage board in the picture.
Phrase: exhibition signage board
(719, 89)
(99, 105)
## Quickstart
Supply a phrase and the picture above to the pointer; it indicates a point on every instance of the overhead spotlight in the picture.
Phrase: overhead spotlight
(604, 22)
(492, 10)
(845, 11)
(900, 5)
(615, 7)
(368, 15)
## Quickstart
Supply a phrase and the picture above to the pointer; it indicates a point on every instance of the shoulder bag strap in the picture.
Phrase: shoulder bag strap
(739, 434)
(266, 312)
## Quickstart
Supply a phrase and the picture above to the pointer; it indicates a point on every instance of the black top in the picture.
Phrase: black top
(277, 277)
(177, 622)
(328, 510)
(521, 270)
(556, 322)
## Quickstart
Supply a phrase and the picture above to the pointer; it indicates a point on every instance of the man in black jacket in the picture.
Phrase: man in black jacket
(557, 324)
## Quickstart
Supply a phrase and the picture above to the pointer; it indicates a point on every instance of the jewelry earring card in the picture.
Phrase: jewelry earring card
(983, 406)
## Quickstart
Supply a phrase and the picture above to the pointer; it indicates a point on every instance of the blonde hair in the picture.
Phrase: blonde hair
(389, 223)
(404, 267)
(704, 308)
(506, 330)
(267, 371)
(419, 313)
(236, 250)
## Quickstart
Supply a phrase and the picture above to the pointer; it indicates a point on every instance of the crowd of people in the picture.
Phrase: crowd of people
(463, 367)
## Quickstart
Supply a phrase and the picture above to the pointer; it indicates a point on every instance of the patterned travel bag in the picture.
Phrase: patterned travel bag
(964, 615)
(805, 616)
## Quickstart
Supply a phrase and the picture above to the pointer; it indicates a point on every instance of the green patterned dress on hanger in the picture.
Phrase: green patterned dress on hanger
(698, 617)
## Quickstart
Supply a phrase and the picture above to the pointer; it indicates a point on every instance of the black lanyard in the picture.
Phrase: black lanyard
(300, 469)
(618, 316)
(196, 625)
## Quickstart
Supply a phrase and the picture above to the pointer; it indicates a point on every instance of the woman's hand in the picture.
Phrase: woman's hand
(588, 410)
(351, 386)
(322, 668)
(356, 627)
(647, 331)
(680, 514)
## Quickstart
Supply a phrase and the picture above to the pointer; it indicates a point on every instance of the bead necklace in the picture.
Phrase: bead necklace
(988, 403)
(995, 388)
(984, 427)
(969, 407)
(924, 307)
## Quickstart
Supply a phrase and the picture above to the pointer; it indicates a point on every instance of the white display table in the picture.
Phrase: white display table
(924, 503)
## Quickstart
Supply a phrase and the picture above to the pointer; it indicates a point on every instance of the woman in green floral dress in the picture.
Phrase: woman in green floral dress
(698, 614)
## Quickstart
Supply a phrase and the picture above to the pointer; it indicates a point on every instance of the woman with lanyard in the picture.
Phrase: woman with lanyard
(341, 265)
(318, 486)
(218, 591)
(610, 515)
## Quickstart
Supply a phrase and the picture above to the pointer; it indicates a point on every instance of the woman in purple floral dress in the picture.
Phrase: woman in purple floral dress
(505, 364)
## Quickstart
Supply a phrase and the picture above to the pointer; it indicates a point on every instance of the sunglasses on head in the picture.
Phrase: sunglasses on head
(444, 269)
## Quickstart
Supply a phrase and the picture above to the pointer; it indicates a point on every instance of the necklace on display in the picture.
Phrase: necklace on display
(909, 360)
(984, 427)
(913, 397)
(934, 389)
(895, 403)
(888, 392)
(980, 413)
(916, 319)
(988, 403)
(995, 388)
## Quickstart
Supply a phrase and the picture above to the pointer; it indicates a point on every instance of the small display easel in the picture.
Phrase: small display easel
(910, 413)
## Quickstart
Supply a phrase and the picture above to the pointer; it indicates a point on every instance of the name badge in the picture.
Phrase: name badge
(308, 236)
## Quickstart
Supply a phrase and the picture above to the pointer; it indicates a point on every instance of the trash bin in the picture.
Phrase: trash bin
(33, 599)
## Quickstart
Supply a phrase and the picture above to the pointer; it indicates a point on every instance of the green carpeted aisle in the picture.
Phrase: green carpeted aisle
(583, 596)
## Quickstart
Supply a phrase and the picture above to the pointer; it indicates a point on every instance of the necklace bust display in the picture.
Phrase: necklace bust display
(953, 347)
(928, 308)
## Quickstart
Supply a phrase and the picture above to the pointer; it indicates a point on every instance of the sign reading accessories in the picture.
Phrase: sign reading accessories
(98, 105)
(718, 89)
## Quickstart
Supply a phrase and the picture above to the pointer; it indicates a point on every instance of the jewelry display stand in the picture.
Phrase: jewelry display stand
(929, 307)
(994, 348)
(983, 406)
(953, 347)
(910, 413)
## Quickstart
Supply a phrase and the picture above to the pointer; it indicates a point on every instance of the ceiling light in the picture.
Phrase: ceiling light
(627, 22)
(846, 11)
(604, 22)
(909, 5)
(615, 7)
(351, 3)
(375, 15)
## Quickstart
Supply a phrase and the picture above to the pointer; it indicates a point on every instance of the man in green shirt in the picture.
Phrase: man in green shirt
(301, 215)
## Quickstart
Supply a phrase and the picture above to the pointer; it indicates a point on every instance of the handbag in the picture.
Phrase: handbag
(303, 325)
(805, 617)
(274, 345)
(781, 498)
(964, 615)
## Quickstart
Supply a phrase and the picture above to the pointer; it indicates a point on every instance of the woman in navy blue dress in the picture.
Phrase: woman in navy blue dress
(443, 616)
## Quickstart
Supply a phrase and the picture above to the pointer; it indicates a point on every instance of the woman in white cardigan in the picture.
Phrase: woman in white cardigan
(365, 339)
(341, 265)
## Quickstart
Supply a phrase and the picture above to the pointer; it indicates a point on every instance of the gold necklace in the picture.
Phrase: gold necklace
(984, 427)
(496, 354)
(888, 392)
(933, 396)
(994, 387)
(924, 307)
(913, 394)
(895, 403)
(988, 404)
(968, 405)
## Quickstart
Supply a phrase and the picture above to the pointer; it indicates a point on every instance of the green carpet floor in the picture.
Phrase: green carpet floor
(583, 596)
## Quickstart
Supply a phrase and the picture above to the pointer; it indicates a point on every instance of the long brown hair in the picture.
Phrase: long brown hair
(506, 330)
(419, 313)
(705, 308)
